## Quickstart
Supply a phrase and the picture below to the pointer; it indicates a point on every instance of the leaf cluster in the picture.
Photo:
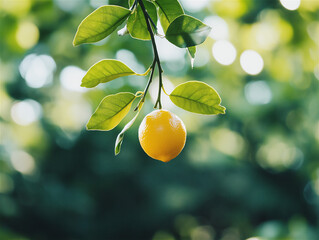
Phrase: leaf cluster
(141, 19)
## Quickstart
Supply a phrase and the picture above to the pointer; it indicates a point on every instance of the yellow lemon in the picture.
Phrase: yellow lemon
(162, 135)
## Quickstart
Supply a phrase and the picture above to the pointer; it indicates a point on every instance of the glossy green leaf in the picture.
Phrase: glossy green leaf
(168, 10)
(120, 136)
(106, 70)
(197, 97)
(111, 111)
(136, 23)
(100, 23)
(186, 31)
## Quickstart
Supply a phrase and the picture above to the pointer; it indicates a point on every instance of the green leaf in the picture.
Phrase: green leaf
(120, 137)
(197, 97)
(192, 52)
(168, 10)
(106, 70)
(136, 23)
(100, 23)
(186, 31)
(111, 111)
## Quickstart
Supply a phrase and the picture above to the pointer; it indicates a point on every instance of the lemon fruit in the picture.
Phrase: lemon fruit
(162, 135)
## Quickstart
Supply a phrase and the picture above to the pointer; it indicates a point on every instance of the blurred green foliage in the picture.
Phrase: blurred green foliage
(250, 174)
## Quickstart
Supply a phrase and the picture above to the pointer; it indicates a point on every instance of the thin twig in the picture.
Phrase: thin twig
(156, 57)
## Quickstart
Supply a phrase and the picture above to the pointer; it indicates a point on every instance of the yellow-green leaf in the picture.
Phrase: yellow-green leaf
(168, 10)
(100, 23)
(187, 31)
(111, 111)
(136, 23)
(197, 97)
(106, 70)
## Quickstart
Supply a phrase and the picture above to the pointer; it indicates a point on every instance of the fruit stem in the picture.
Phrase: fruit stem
(156, 57)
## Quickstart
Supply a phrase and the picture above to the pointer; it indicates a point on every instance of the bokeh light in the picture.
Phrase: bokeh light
(258, 92)
(251, 62)
(203, 233)
(267, 35)
(219, 27)
(69, 5)
(37, 70)
(129, 58)
(168, 52)
(279, 155)
(163, 235)
(71, 77)
(194, 6)
(290, 4)
(224, 52)
(227, 142)
(27, 35)
(202, 57)
(98, 3)
(26, 112)
(16, 7)
(23, 162)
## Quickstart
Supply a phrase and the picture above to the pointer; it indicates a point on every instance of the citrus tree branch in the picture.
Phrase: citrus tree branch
(156, 57)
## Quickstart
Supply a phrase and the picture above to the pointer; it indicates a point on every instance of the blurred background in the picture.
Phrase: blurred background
(250, 174)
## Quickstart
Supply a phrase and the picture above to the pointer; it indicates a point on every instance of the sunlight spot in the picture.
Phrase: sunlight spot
(258, 92)
(163, 235)
(203, 233)
(267, 35)
(290, 4)
(251, 62)
(130, 60)
(201, 57)
(69, 5)
(98, 3)
(185, 224)
(227, 142)
(71, 77)
(16, 7)
(22, 162)
(27, 35)
(279, 155)
(194, 6)
(37, 70)
(26, 112)
(219, 27)
(169, 52)
(224, 52)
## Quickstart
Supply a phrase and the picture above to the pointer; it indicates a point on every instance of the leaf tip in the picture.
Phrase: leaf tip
(116, 151)
(118, 144)
(222, 109)
(75, 41)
